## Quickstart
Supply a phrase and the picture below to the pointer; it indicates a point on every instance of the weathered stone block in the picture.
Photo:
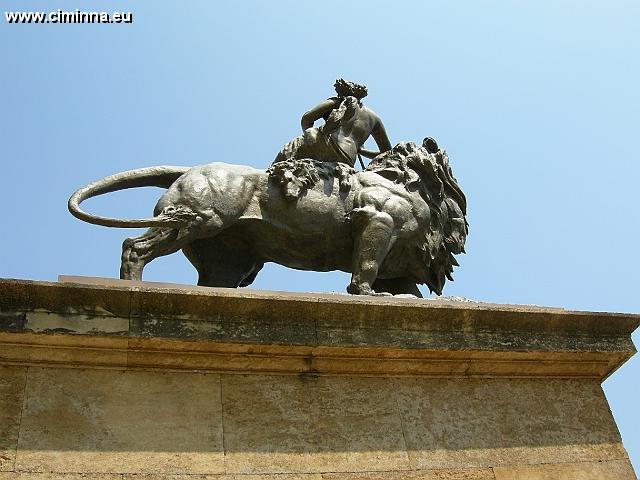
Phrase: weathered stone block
(66, 350)
(616, 470)
(282, 424)
(105, 421)
(446, 474)
(48, 322)
(12, 382)
(58, 476)
(461, 423)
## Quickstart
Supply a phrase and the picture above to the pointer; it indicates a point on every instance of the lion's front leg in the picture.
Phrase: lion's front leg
(372, 233)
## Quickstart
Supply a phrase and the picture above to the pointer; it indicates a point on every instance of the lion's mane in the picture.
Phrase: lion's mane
(430, 175)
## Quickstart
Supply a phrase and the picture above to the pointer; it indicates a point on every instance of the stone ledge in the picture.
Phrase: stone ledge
(141, 325)
(612, 470)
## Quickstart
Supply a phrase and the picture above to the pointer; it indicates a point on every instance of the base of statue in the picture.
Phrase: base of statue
(108, 377)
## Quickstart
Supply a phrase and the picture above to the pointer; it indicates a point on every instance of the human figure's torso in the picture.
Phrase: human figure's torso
(354, 129)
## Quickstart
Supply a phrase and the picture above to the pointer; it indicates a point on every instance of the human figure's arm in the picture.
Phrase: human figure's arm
(379, 134)
(368, 153)
(316, 113)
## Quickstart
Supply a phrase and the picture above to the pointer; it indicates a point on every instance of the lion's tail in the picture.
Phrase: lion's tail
(142, 177)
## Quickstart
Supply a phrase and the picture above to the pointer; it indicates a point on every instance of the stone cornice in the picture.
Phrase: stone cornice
(142, 325)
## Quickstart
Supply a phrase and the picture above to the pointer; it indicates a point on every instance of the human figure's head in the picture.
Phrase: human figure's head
(345, 88)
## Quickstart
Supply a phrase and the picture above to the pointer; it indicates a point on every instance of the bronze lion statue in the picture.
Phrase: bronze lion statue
(396, 224)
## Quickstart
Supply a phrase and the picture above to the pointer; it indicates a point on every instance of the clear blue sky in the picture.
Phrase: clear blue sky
(537, 103)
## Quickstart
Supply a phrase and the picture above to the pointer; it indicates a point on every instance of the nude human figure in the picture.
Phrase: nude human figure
(348, 125)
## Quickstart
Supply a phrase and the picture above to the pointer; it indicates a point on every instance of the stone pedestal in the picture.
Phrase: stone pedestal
(119, 379)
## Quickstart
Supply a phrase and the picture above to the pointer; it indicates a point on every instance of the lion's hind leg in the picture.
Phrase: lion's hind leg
(155, 242)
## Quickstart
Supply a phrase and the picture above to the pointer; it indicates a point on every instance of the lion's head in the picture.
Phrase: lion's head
(426, 169)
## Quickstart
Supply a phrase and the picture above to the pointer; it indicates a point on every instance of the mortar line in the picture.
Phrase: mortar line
(22, 409)
(224, 449)
(397, 404)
